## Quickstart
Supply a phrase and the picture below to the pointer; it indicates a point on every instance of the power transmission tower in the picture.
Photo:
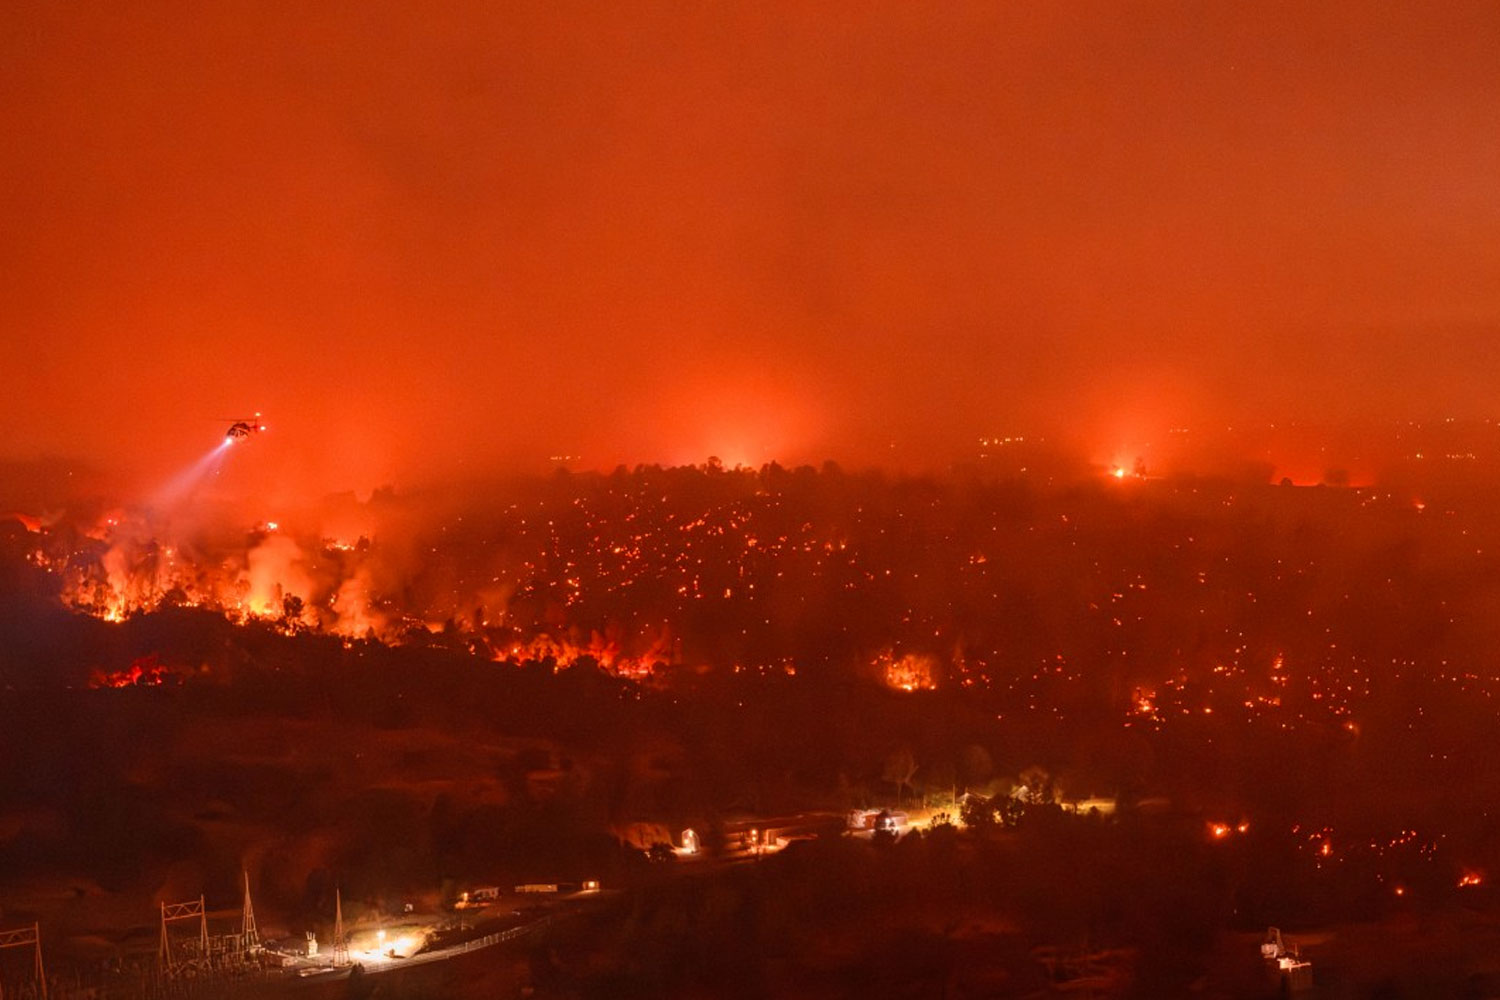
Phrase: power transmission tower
(249, 935)
(340, 942)
(182, 911)
(27, 937)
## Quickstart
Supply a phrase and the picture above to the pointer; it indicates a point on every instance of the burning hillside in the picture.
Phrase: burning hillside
(1060, 600)
(123, 566)
(125, 569)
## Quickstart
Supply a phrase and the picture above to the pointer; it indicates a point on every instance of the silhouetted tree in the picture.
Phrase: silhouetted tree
(900, 768)
(978, 813)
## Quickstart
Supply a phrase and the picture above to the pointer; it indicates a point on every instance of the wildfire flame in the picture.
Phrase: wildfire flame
(911, 672)
(603, 651)
(144, 671)
(295, 585)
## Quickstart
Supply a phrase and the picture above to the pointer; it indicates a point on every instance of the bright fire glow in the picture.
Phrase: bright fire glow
(602, 650)
(912, 672)
(1220, 830)
(283, 581)
(145, 671)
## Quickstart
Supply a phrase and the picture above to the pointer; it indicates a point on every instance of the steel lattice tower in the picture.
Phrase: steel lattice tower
(340, 942)
(182, 911)
(249, 935)
(27, 937)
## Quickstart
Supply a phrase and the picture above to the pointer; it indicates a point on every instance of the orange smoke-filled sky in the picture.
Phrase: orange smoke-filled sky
(429, 239)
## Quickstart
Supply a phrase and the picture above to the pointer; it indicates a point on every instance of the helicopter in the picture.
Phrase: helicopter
(241, 428)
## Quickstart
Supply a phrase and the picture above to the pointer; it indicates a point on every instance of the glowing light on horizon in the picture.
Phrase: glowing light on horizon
(1220, 830)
